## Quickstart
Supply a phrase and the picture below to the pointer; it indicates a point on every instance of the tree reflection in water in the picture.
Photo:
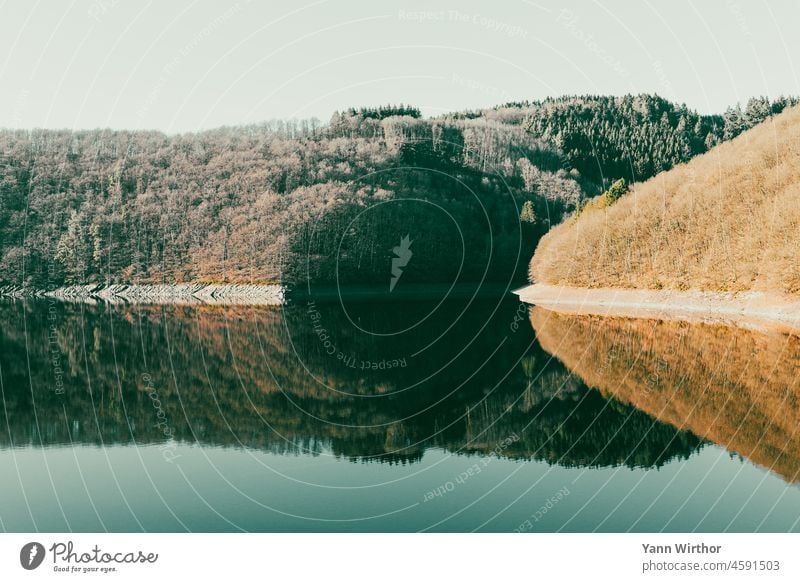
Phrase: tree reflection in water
(360, 380)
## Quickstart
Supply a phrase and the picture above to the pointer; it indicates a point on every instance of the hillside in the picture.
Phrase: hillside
(728, 220)
(280, 202)
(300, 201)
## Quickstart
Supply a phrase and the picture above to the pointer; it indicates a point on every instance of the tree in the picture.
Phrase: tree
(74, 251)
(758, 109)
(734, 122)
(528, 213)
(615, 192)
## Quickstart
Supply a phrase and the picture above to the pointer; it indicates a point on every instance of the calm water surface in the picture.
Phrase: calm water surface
(348, 414)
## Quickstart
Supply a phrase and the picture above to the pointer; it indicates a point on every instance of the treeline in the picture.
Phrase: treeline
(384, 111)
(300, 201)
(633, 136)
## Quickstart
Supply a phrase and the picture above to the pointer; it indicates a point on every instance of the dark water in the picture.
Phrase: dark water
(353, 414)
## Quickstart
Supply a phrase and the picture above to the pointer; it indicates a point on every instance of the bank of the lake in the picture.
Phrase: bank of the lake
(762, 309)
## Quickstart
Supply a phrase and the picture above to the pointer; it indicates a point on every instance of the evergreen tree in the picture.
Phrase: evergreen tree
(528, 213)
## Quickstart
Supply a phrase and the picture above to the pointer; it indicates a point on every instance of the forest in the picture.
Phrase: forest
(304, 202)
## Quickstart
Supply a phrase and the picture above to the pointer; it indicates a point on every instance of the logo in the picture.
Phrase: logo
(403, 255)
(31, 555)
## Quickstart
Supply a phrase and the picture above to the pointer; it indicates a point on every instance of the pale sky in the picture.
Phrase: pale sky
(194, 64)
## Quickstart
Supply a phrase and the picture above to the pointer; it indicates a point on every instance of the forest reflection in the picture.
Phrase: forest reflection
(361, 380)
(735, 387)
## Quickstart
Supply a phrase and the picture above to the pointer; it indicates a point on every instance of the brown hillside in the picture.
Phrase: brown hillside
(728, 220)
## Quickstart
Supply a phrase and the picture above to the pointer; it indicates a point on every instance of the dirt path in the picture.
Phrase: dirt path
(751, 309)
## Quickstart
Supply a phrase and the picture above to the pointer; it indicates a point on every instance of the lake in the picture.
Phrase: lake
(350, 412)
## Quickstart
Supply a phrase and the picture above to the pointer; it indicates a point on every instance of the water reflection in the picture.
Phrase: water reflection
(360, 380)
(735, 387)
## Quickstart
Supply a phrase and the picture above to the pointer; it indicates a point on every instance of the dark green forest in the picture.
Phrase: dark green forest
(299, 202)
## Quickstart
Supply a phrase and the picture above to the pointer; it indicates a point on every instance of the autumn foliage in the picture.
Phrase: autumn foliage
(728, 220)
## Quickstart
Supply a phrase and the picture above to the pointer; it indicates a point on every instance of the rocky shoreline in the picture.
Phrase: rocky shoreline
(178, 293)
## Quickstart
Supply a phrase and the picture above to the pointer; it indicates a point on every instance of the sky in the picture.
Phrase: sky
(185, 65)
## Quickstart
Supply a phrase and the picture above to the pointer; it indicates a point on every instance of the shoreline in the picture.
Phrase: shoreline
(751, 309)
(246, 293)
(158, 294)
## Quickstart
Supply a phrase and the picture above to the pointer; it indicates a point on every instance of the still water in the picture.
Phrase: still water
(354, 414)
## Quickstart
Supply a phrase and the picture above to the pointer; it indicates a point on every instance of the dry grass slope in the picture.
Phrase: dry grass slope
(728, 220)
